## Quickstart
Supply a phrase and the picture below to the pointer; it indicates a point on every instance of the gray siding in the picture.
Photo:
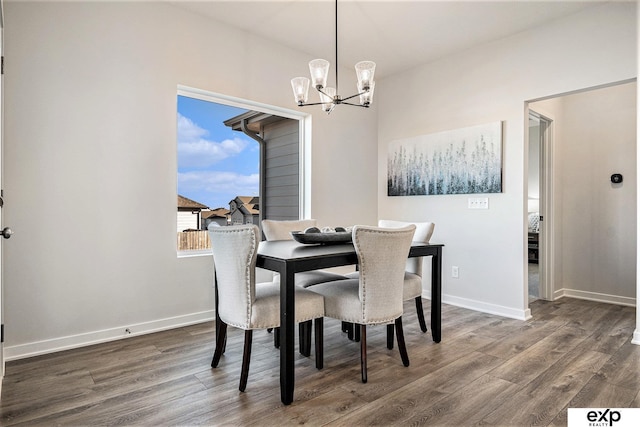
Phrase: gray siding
(282, 170)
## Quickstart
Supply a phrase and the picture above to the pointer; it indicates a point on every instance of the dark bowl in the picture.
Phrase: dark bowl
(322, 238)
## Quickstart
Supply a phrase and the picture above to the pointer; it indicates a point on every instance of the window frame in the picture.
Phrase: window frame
(304, 149)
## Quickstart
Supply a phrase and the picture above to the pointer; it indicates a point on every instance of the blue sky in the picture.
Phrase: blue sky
(215, 164)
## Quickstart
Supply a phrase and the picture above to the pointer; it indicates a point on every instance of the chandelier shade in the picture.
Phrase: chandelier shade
(329, 97)
(300, 87)
(365, 71)
(319, 70)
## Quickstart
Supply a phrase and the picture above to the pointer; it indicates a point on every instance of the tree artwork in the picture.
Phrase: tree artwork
(461, 161)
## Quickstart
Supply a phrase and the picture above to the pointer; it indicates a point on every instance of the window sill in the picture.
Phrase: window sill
(191, 254)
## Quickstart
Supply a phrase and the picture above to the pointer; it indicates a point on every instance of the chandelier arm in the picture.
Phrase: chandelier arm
(325, 94)
(355, 105)
(302, 104)
(353, 96)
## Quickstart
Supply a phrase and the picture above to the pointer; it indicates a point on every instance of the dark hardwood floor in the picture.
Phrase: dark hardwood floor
(487, 370)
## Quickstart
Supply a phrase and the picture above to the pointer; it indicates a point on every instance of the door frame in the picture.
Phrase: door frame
(546, 242)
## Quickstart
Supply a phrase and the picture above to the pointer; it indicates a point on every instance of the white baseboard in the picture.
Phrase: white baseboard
(484, 307)
(22, 351)
(595, 296)
(636, 337)
(557, 294)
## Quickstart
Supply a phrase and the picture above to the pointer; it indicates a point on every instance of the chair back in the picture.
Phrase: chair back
(424, 231)
(281, 230)
(235, 250)
(382, 253)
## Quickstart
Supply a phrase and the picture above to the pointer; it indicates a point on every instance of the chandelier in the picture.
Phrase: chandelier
(329, 97)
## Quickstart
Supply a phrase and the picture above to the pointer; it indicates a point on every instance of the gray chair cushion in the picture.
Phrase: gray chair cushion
(312, 278)
(265, 312)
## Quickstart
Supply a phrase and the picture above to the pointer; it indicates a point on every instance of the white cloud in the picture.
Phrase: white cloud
(219, 182)
(195, 151)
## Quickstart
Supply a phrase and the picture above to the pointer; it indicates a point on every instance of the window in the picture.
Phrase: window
(238, 162)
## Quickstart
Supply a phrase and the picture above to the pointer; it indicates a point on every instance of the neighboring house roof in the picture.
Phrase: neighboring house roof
(247, 200)
(185, 203)
(250, 209)
(248, 205)
(216, 213)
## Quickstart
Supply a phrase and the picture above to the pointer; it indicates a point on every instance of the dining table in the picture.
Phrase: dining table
(288, 257)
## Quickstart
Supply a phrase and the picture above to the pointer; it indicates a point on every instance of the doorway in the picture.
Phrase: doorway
(587, 221)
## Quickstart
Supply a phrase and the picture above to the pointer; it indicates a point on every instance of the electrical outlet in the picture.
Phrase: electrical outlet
(454, 272)
(478, 203)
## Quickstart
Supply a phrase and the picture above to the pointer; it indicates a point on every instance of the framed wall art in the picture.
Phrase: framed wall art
(460, 161)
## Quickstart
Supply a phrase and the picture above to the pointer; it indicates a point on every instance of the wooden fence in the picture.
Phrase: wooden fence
(193, 240)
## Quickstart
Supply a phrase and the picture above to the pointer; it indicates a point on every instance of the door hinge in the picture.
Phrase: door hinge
(541, 218)
(2, 333)
(2, 64)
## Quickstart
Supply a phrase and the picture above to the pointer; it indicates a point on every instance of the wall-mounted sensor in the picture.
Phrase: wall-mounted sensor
(616, 178)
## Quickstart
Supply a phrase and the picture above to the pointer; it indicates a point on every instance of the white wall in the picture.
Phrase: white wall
(489, 83)
(598, 220)
(534, 167)
(90, 114)
(594, 135)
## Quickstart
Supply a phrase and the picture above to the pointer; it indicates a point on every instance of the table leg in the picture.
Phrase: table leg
(436, 295)
(287, 336)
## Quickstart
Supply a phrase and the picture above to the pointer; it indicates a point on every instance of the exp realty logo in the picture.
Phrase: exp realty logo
(603, 417)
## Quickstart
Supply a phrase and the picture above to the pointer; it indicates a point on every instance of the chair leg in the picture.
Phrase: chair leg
(390, 337)
(221, 340)
(301, 338)
(304, 332)
(349, 329)
(356, 333)
(276, 337)
(420, 311)
(363, 351)
(401, 346)
(246, 358)
(319, 335)
(218, 323)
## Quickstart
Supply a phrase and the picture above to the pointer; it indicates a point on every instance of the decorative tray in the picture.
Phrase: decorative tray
(322, 238)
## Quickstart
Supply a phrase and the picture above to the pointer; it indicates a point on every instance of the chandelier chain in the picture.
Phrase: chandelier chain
(330, 96)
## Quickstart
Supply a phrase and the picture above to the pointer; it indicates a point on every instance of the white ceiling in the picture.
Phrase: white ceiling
(397, 35)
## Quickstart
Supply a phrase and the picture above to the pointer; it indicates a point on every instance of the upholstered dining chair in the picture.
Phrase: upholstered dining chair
(281, 230)
(246, 305)
(412, 285)
(375, 297)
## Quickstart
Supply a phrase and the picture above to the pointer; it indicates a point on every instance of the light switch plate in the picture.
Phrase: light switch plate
(478, 203)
